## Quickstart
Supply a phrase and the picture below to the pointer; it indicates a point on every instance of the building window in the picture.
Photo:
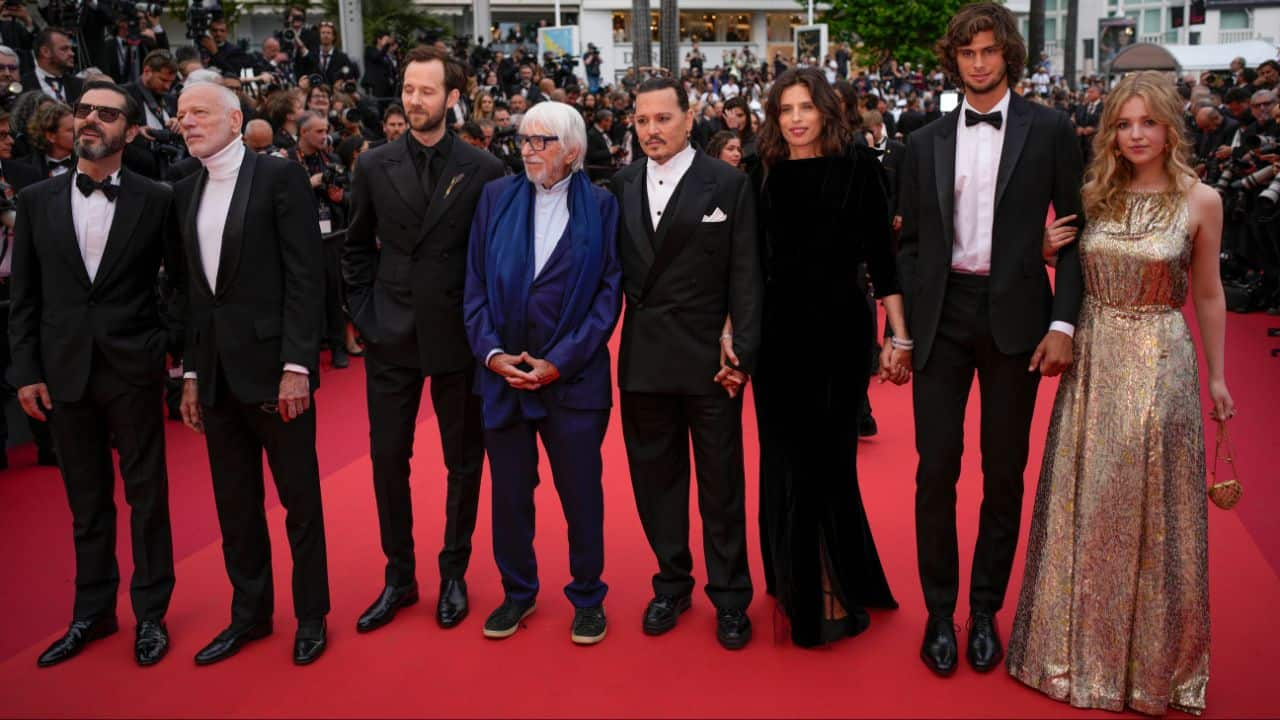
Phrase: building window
(1151, 22)
(1235, 19)
(739, 28)
(780, 25)
(623, 27)
(699, 26)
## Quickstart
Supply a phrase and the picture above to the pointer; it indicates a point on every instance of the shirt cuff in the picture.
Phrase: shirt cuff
(296, 368)
(495, 351)
(1065, 328)
(189, 375)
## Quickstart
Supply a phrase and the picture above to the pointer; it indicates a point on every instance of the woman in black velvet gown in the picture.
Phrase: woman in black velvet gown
(822, 210)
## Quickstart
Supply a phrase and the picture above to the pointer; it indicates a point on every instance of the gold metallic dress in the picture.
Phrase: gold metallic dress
(1114, 609)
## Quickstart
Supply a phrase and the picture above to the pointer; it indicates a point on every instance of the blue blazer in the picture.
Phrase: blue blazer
(498, 312)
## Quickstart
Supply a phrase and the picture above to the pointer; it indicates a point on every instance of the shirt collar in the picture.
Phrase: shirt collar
(442, 146)
(226, 162)
(678, 163)
(1001, 107)
(560, 188)
(40, 73)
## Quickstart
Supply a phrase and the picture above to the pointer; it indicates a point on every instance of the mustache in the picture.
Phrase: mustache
(91, 126)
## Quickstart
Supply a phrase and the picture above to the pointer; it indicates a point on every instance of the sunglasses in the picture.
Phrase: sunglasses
(537, 142)
(9, 68)
(105, 113)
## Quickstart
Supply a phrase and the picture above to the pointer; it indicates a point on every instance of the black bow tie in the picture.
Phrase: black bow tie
(67, 162)
(87, 185)
(972, 118)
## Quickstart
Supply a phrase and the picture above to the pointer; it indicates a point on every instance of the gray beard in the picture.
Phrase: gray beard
(108, 147)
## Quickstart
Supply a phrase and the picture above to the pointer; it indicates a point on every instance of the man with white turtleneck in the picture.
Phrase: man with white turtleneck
(251, 281)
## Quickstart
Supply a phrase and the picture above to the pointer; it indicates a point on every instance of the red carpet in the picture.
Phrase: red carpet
(412, 668)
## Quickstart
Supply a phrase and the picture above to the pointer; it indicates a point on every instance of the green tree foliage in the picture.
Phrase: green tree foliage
(902, 29)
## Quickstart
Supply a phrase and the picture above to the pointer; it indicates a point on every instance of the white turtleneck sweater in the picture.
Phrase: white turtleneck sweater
(211, 219)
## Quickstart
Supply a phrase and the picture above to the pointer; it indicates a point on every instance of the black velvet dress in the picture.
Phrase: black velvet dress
(819, 218)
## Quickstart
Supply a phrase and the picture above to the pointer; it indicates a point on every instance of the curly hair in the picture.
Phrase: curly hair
(1110, 172)
(772, 144)
(45, 120)
(981, 17)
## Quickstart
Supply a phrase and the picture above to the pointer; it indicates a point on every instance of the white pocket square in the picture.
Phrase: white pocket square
(715, 217)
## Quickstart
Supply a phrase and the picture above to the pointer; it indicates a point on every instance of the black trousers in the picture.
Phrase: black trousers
(131, 416)
(657, 429)
(962, 347)
(237, 433)
(335, 317)
(395, 393)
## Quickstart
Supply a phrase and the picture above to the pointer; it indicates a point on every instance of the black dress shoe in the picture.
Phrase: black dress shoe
(340, 359)
(79, 634)
(383, 610)
(985, 651)
(940, 652)
(229, 641)
(733, 628)
(150, 642)
(660, 615)
(452, 607)
(310, 641)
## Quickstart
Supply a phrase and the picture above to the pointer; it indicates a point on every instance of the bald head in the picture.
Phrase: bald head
(1208, 118)
(258, 135)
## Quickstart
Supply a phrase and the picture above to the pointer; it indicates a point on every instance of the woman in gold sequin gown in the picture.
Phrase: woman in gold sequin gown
(1114, 609)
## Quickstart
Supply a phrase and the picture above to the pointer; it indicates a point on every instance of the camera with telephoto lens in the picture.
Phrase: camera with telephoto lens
(345, 116)
(335, 176)
(200, 14)
(345, 84)
(1255, 179)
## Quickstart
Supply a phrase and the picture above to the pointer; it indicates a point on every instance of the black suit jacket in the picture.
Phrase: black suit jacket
(168, 103)
(269, 300)
(406, 299)
(37, 162)
(380, 74)
(673, 319)
(598, 152)
(59, 317)
(71, 85)
(109, 63)
(891, 160)
(19, 174)
(1039, 165)
(333, 73)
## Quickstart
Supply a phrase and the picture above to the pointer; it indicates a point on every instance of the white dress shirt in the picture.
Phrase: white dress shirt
(978, 151)
(550, 218)
(211, 219)
(92, 218)
(54, 169)
(661, 181)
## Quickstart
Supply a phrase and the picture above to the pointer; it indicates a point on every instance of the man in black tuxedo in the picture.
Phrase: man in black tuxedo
(381, 69)
(689, 261)
(222, 54)
(122, 56)
(975, 190)
(54, 73)
(329, 61)
(912, 118)
(417, 195)
(252, 282)
(89, 356)
(1086, 117)
(600, 148)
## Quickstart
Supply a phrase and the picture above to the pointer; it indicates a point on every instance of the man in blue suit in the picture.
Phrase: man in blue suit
(543, 295)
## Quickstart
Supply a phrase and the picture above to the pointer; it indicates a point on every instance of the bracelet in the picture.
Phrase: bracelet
(900, 344)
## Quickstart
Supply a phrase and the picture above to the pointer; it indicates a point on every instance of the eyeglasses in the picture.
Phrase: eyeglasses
(9, 68)
(537, 142)
(105, 114)
(1263, 104)
(5, 135)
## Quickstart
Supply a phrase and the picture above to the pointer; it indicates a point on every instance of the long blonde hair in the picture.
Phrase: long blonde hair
(1109, 172)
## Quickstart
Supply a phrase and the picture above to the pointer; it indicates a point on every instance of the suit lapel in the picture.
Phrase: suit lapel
(233, 231)
(191, 231)
(691, 202)
(944, 169)
(1015, 136)
(63, 226)
(404, 177)
(129, 204)
(633, 200)
(456, 170)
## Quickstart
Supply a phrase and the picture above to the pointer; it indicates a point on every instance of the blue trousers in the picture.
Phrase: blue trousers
(572, 439)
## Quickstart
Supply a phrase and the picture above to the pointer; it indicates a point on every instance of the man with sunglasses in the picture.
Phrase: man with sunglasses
(418, 196)
(89, 347)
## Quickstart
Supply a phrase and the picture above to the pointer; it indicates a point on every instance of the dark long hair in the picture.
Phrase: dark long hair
(772, 145)
(980, 17)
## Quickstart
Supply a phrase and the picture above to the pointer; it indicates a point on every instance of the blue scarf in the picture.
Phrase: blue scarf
(509, 263)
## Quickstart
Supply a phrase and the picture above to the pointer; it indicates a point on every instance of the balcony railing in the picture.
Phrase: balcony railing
(1231, 36)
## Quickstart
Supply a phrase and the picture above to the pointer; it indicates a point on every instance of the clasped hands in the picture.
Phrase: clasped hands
(540, 372)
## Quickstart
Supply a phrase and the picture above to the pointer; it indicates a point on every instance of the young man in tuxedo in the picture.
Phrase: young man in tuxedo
(54, 73)
(417, 195)
(976, 187)
(252, 281)
(689, 260)
(89, 357)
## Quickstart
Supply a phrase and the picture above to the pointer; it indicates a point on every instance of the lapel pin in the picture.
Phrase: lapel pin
(456, 179)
